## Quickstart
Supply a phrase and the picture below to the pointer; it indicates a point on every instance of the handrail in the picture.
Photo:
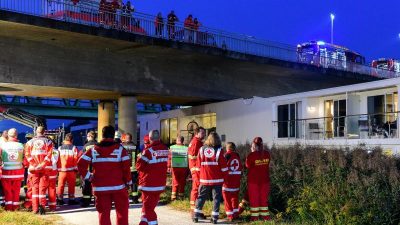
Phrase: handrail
(337, 117)
(88, 13)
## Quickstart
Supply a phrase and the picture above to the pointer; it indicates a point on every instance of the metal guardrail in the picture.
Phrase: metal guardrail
(89, 13)
(359, 126)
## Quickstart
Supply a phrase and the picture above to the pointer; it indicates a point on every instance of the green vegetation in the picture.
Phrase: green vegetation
(313, 185)
(26, 218)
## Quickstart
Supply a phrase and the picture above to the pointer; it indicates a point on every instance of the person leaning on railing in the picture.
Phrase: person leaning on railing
(172, 19)
(127, 11)
(159, 24)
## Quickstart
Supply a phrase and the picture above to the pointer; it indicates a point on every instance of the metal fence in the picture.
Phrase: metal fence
(89, 13)
(360, 126)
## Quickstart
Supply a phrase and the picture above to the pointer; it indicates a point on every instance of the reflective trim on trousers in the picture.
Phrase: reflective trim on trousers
(230, 189)
(229, 213)
(215, 213)
(12, 176)
(160, 188)
(109, 188)
(211, 181)
(38, 196)
(198, 211)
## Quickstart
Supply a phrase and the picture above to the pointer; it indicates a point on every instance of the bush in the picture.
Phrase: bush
(336, 186)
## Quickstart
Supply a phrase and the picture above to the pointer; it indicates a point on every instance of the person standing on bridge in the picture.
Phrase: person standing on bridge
(111, 176)
(152, 167)
(159, 24)
(189, 28)
(38, 152)
(171, 20)
(195, 144)
(67, 167)
(133, 153)
(258, 181)
(12, 158)
(213, 171)
(86, 184)
(231, 187)
(178, 163)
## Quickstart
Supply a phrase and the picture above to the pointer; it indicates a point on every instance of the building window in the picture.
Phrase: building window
(335, 118)
(382, 109)
(288, 125)
(169, 130)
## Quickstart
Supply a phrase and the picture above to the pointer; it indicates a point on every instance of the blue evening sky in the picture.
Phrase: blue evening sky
(369, 27)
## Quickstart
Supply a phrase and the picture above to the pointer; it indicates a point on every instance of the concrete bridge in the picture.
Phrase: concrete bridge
(45, 56)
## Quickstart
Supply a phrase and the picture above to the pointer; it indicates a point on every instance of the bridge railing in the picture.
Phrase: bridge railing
(91, 14)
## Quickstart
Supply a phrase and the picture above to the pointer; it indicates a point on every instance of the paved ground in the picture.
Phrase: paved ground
(74, 215)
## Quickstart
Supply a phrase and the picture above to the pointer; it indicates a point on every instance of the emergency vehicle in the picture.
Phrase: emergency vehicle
(385, 64)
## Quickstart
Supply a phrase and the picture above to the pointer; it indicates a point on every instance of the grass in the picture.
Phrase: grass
(26, 218)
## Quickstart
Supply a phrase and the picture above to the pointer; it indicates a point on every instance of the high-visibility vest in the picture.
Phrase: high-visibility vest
(12, 154)
(131, 148)
(179, 156)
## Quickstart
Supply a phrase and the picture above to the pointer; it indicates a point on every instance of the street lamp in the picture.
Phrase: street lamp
(332, 18)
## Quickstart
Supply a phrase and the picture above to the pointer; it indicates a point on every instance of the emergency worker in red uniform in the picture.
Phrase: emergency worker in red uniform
(195, 144)
(213, 170)
(38, 152)
(110, 178)
(152, 168)
(12, 156)
(231, 187)
(53, 180)
(178, 164)
(258, 181)
(67, 167)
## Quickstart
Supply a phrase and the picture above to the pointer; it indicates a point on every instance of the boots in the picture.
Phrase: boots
(60, 201)
(42, 211)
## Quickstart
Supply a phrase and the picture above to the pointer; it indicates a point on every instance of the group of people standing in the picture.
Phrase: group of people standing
(113, 168)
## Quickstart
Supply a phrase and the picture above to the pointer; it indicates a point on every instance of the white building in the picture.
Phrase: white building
(344, 116)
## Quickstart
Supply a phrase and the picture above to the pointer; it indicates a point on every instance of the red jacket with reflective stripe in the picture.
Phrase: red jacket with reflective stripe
(152, 167)
(111, 167)
(232, 180)
(193, 151)
(68, 157)
(257, 164)
(212, 166)
(38, 151)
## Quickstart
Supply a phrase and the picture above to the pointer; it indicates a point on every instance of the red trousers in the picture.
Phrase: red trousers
(231, 201)
(40, 183)
(11, 188)
(52, 193)
(150, 200)
(104, 203)
(68, 177)
(178, 181)
(258, 200)
(28, 197)
(195, 189)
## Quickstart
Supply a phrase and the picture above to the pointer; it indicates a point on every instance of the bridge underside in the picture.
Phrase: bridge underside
(95, 63)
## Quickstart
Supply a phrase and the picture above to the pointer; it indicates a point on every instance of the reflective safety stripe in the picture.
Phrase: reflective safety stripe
(9, 203)
(254, 214)
(229, 213)
(106, 160)
(224, 169)
(235, 210)
(15, 203)
(67, 169)
(198, 211)
(230, 189)
(152, 222)
(12, 176)
(211, 181)
(109, 188)
(134, 193)
(263, 208)
(85, 157)
(12, 163)
(86, 196)
(192, 156)
(209, 163)
(87, 175)
(38, 196)
(254, 209)
(125, 158)
(160, 188)
(52, 203)
(215, 213)
(195, 169)
(153, 161)
(52, 177)
(264, 213)
(235, 172)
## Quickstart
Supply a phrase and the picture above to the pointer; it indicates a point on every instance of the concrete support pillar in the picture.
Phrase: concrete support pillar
(127, 116)
(106, 116)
